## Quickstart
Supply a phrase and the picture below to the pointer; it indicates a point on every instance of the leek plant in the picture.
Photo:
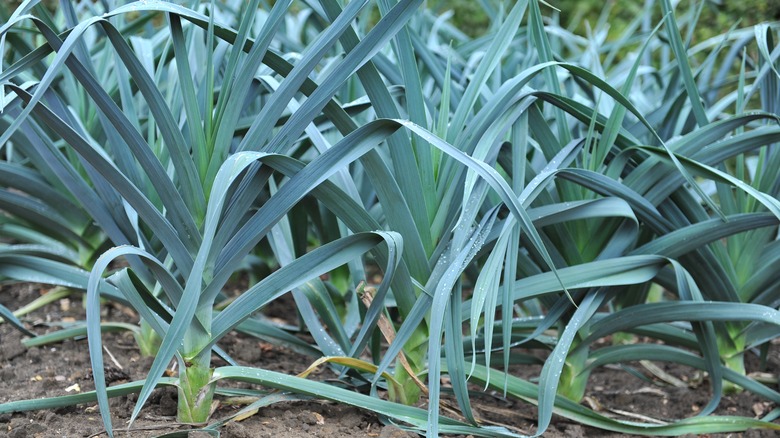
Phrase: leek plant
(736, 142)
(190, 203)
(679, 212)
(53, 212)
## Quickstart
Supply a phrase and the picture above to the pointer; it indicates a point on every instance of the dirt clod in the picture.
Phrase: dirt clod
(235, 429)
(12, 346)
(394, 432)
(168, 403)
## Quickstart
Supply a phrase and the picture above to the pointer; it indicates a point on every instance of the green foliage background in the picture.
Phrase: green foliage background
(470, 16)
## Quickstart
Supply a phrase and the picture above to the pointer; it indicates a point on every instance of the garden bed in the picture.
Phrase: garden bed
(51, 370)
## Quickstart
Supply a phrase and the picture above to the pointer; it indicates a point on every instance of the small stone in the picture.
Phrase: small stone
(760, 409)
(311, 418)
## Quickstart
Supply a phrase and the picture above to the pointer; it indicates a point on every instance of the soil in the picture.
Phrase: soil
(29, 373)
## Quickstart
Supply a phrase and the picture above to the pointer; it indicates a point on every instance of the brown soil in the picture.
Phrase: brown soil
(48, 371)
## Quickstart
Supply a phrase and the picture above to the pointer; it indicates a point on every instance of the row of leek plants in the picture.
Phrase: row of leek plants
(509, 164)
